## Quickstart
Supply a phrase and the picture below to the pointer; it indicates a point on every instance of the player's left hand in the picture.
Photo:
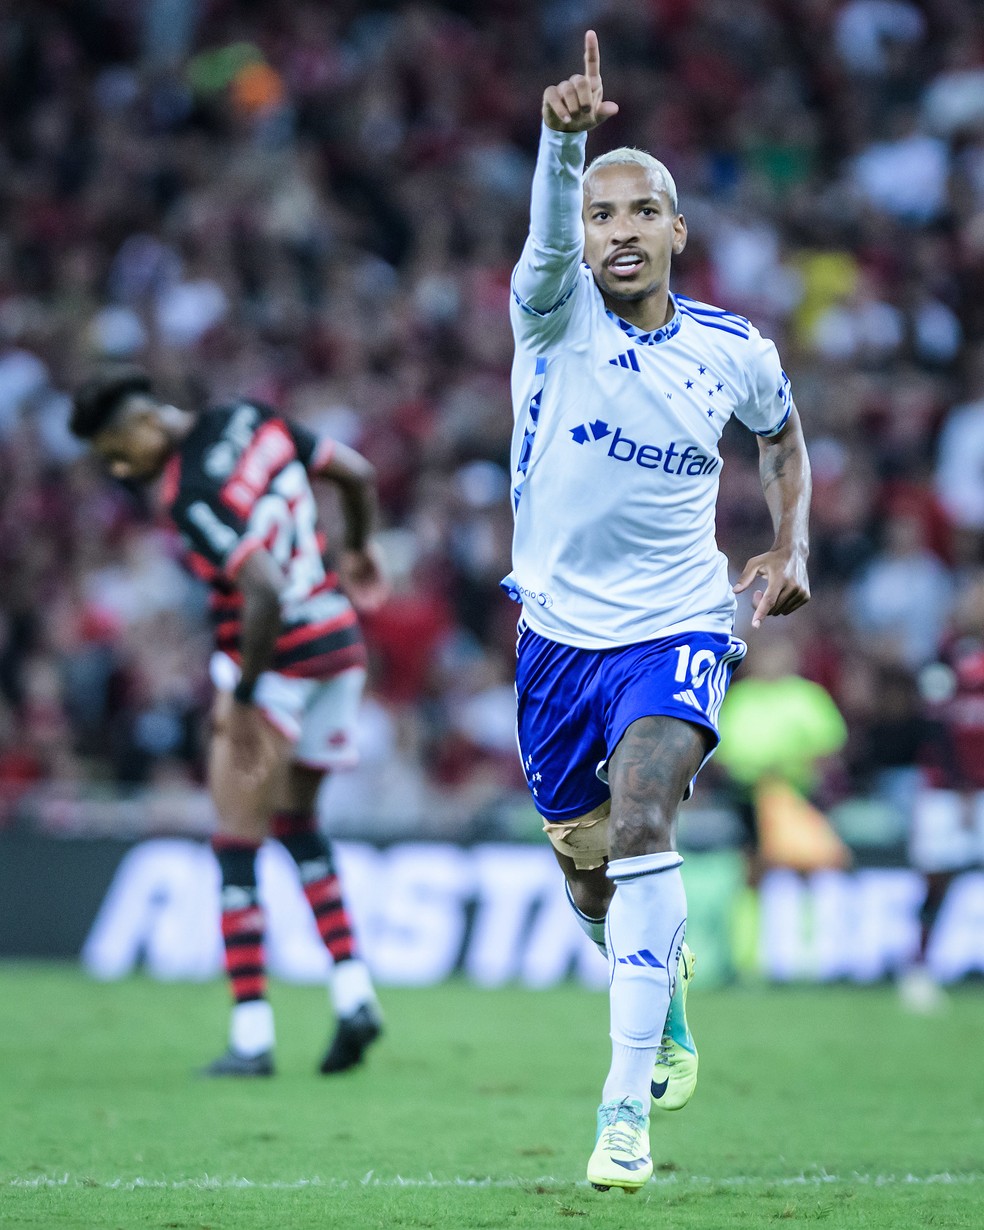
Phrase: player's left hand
(363, 579)
(786, 584)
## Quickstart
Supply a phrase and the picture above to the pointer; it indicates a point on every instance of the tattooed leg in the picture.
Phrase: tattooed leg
(648, 774)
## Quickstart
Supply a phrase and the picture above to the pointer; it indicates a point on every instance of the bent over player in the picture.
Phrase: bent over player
(621, 391)
(288, 666)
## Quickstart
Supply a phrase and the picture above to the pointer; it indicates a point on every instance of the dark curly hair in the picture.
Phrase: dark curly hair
(98, 399)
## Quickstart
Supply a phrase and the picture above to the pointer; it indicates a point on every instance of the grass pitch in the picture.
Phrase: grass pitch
(476, 1110)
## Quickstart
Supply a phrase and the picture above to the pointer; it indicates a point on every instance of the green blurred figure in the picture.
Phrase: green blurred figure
(776, 729)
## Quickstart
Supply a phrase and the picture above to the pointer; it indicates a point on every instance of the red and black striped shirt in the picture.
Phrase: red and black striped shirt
(239, 483)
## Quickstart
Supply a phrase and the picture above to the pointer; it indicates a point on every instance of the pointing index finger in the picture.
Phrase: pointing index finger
(764, 604)
(592, 57)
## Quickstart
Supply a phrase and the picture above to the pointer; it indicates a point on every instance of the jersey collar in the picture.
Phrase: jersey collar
(653, 338)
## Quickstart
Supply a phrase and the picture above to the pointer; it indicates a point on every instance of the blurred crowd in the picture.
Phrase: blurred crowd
(318, 205)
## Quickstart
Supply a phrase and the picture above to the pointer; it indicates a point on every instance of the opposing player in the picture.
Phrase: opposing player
(621, 391)
(289, 663)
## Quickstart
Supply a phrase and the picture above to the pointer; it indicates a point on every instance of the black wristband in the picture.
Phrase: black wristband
(242, 693)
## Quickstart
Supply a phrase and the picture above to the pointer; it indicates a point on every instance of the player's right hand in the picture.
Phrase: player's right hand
(363, 578)
(577, 104)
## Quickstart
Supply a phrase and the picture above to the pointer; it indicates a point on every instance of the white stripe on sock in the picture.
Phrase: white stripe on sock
(646, 924)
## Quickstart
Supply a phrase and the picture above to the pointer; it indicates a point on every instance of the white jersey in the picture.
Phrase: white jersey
(615, 447)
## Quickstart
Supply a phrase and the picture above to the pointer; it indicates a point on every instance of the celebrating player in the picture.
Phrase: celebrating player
(289, 662)
(621, 391)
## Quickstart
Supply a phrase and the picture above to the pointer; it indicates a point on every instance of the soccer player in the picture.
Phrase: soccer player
(626, 647)
(288, 666)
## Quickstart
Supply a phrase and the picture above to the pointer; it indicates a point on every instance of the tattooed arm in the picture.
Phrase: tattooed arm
(785, 470)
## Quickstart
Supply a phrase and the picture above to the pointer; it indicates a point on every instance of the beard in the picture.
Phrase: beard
(625, 294)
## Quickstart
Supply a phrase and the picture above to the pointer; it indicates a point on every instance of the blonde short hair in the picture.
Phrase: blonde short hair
(659, 176)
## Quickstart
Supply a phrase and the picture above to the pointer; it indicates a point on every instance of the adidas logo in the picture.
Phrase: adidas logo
(642, 957)
(687, 697)
(628, 359)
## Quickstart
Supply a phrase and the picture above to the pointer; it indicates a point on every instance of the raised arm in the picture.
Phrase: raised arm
(552, 254)
(784, 467)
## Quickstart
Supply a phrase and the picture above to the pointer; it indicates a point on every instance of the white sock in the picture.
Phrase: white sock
(251, 1028)
(646, 925)
(351, 987)
(593, 928)
(630, 1075)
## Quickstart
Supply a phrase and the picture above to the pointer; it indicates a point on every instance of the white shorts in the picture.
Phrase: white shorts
(317, 715)
(947, 833)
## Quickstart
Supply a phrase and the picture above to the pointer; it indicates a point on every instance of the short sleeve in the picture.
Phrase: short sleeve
(305, 442)
(313, 451)
(769, 398)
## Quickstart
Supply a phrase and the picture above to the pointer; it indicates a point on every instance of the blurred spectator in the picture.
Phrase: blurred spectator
(953, 102)
(960, 465)
(777, 730)
(868, 33)
(861, 328)
(904, 175)
(892, 739)
(947, 834)
(900, 603)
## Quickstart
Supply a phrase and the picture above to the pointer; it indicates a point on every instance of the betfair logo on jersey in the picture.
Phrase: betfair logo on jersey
(670, 458)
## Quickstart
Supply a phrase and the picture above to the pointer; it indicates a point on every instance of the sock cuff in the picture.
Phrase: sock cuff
(221, 841)
(237, 861)
(620, 869)
(286, 824)
(579, 912)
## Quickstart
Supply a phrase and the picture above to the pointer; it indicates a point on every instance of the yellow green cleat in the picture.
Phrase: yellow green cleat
(621, 1156)
(675, 1070)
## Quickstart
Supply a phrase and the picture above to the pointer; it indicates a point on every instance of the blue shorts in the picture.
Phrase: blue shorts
(576, 704)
